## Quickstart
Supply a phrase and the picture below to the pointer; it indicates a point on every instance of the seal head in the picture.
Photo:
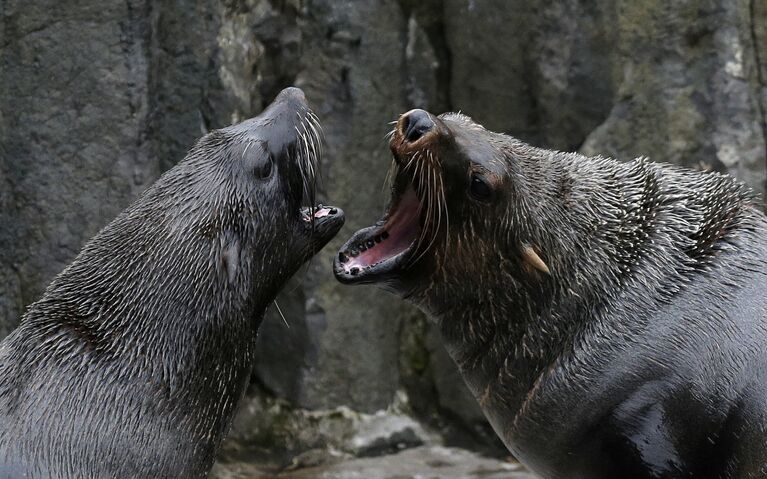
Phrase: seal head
(448, 173)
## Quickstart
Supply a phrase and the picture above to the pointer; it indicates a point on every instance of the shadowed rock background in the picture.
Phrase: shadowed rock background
(98, 98)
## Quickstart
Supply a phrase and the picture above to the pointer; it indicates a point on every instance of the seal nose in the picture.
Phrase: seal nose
(291, 93)
(415, 124)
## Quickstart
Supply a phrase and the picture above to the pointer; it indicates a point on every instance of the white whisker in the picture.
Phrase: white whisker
(282, 315)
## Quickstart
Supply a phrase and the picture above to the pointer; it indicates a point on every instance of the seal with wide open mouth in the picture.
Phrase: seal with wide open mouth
(609, 317)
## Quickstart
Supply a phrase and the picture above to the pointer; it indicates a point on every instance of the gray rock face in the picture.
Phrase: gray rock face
(73, 102)
(353, 77)
(98, 98)
(694, 97)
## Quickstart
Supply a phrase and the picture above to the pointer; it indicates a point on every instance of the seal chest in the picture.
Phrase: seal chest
(133, 361)
(609, 317)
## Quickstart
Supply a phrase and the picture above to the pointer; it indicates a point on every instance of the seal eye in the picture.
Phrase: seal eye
(479, 188)
(263, 168)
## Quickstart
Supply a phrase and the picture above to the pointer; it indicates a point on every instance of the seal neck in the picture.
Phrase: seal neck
(610, 233)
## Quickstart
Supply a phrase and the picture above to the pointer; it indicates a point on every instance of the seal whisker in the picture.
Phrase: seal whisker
(431, 214)
(302, 161)
(318, 149)
(318, 136)
(311, 146)
(410, 161)
(308, 168)
(281, 315)
(438, 194)
(389, 178)
(423, 171)
(447, 212)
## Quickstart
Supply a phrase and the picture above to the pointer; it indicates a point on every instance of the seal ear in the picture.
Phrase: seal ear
(230, 258)
(531, 258)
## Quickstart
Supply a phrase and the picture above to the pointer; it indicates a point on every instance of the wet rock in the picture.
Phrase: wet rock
(268, 423)
(385, 432)
(422, 462)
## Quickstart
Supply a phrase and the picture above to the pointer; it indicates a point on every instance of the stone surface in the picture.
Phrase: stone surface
(267, 423)
(418, 463)
(74, 105)
(353, 77)
(692, 98)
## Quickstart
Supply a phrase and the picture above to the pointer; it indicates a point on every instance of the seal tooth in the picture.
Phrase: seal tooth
(362, 247)
(370, 243)
(385, 234)
(354, 271)
(378, 239)
(530, 257)
(353, 253)
(342, 257)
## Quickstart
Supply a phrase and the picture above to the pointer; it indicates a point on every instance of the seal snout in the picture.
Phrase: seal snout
(292, 94)
(415, 124)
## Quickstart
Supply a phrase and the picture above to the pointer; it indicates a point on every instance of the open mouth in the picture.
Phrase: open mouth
(320, 224)
(387, 246)
(310, 214)
(416, 212)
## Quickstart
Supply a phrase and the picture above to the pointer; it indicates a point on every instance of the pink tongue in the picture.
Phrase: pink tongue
(322, 212)
(403, 229)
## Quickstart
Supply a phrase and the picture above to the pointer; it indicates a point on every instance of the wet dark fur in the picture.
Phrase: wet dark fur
(644, 352)
(132, 363)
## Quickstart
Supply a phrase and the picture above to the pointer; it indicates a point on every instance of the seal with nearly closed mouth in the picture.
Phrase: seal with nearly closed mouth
(610, 318)
(133, 361)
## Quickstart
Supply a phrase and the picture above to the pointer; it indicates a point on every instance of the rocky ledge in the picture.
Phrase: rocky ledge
(425, 462)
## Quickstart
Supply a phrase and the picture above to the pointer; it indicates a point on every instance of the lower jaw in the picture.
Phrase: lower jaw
(320, 224)
(387, 269)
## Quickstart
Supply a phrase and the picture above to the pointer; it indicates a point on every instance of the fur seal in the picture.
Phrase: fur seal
(133, 361)
(610, 318)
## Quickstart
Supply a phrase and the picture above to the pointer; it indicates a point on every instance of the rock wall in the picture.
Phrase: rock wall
(98, 98)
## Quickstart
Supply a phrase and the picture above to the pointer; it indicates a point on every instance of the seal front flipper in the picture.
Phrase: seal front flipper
(609, 317)
(133, 361)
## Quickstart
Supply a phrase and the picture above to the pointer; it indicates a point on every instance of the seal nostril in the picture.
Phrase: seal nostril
(416, 124)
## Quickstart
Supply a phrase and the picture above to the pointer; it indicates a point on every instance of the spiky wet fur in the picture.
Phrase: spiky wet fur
(133, 361)
(649, 329)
